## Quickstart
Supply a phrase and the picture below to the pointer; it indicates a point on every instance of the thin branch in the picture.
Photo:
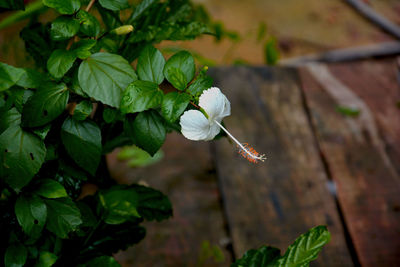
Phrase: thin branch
(90, 5)
(375, 18)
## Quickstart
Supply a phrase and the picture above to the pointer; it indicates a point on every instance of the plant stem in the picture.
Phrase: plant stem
(90, 5)
(20, 15)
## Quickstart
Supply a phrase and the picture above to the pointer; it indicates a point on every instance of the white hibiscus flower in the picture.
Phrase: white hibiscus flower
(197, 125)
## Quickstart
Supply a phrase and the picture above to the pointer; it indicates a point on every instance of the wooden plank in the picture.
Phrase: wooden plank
(187, 176)
(367, 185)
(377, 85)
(274, 202)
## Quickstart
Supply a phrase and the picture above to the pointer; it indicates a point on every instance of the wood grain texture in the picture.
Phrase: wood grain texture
(187, 176)
(377, 84)
(274, 202)
(367, 187)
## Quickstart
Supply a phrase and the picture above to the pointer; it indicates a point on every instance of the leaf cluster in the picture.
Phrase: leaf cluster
(82, 100)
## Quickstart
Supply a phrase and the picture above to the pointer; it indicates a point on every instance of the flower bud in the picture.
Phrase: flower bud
(122, 30)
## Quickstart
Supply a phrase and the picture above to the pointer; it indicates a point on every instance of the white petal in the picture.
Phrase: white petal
(194, 125)
(215, 103)
(214, 130)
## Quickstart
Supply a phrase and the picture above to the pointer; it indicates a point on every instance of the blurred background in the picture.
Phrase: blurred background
(269, 32)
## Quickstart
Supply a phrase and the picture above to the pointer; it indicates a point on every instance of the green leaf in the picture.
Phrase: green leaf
(182, 61)
(90, 26)
(150, 65)
(63, 216)
(203, 82)
(22, 155)
(110, 18)
(50, 189)
(137, 157)
(348, 111)
(147, 131)
(105, 76)
(38, 43)
(63, 28)
(15, 256)
(42, 131)
(110, 115)
(12, 4)
(46, 259)
(261, 257)
(82, 110)
(103, 261)
(60, 62)
(271, 52)
(82, 140)
(31, 79)
(10, 118)
(82, 48)
(31, 214)
(169, 31)
(19, 96)
(140, 9)
(153, 205)
(9, 75)
(305, 249)
(45, 105)
(173, 105)
(120, 204)
(114, 5)
(177, 78)
(140, 96)
(63, 6)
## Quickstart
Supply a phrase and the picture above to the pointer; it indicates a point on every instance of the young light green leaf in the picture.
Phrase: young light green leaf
(63, 216)
(103, 261)
(63, 28)
(120, 204)
(147, 131)
(150, 65)
(22, 156)
(184, 62)
(42, 131)
(177, 78)
(31, 213)
(114, 5)
(305, 249)
(50, 189)
(137, 157)
(348, 111)
(82, 48)
(63, 6)
(45, 105)
(140, 96)
(15, 256)
(82, 140)
(46, 259)
(60, 62)
(261, 257)
(82, 110)
(9, 75)
(173, 105)
(10, 118)
(105, 76)
(271, 52)
(90, 26)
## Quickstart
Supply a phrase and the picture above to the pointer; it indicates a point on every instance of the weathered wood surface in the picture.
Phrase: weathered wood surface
(289, 114)
(187, 176)
(368, 185)
(274, 202)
